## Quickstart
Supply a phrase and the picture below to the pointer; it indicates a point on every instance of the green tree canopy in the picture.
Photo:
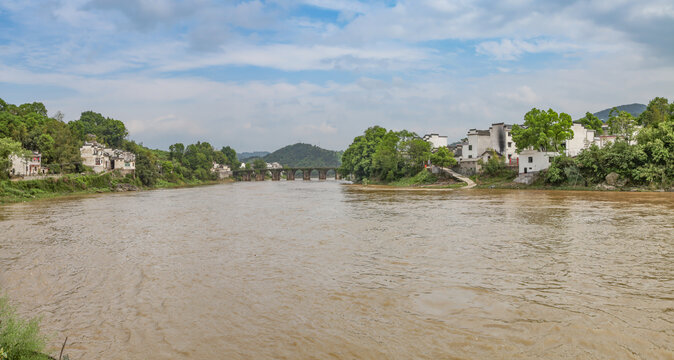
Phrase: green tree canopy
(107, 130)
(658, 110)
(621, 123)
(443, 158)
(259, 164)
(543, 130)
(592, 122)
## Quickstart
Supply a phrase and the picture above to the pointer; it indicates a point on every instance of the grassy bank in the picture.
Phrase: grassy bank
(506, 182)
(423, 179)
(19, 191)
(19, 338)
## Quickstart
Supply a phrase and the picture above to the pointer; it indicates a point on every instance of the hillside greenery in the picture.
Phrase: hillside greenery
(304, 155)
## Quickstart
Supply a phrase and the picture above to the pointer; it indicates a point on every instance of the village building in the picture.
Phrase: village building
(101, 159)
(436, 140)
(274, 165)
(582, 139)
(534, 160)
(28, 165)
(221, 171)
(484, 144)
(502, 142)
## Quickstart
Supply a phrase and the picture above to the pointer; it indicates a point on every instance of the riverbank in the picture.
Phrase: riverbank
(77, 184)
(507, 183)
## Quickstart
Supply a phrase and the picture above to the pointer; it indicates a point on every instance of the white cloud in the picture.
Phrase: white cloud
(508, 49)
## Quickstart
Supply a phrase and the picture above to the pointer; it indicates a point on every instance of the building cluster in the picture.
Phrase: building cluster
(221, 171)
(101, 159)
(481, 145)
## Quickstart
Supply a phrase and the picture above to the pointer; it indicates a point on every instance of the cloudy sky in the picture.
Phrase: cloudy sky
(258, 75)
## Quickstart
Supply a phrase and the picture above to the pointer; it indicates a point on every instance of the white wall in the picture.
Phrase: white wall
(533, 160)
(477, 144)
(436, 140)
(582, 139)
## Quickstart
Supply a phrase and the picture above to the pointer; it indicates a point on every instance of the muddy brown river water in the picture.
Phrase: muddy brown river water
(320, 270)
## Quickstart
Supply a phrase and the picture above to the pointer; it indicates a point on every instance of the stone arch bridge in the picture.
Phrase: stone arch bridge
(259, 175)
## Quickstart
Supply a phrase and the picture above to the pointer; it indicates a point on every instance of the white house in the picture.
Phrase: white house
(534, 160)
(30, 164)
(436, 140)
(274, 165)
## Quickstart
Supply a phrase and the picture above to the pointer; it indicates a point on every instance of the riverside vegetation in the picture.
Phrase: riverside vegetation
(642, 155)
(392, 157)
(28, 127)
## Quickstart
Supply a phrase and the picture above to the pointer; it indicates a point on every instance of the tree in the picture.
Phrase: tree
(416, 152)
(657, 111)
(621, 123)
(386, 159)
(232, 159)
(107, 130)
(592, 122)
(443, 158)
(259, 164)
(176, 151)
(543, 130)
(357, 159)
(656, 142)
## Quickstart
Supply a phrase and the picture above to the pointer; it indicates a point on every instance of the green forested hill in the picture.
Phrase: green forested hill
(299, 155)
(634, 109)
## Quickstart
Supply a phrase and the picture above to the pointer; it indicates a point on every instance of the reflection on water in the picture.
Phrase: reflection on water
(322, 270)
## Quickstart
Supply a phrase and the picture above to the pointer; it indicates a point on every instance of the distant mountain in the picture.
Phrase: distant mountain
(300, 155)
(255, 154)
(634, 109)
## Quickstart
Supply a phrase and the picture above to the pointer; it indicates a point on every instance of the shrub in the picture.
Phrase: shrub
(19, 339)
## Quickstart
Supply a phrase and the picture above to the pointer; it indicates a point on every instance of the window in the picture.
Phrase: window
(531, 159)
(126, 164)
(470, 156)
(508, 133)
(470, 147)
(98, 161)
(510, 156)
(510, 144)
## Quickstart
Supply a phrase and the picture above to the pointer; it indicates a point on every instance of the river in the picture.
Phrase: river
(291, 270)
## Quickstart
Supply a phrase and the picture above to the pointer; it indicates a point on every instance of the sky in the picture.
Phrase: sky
(259, 75)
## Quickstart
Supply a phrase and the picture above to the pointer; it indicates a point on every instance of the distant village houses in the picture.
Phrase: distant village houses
(102, 159)
(221, 171)
(29, 165)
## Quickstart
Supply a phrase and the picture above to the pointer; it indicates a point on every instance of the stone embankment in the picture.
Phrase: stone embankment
(470, 183)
